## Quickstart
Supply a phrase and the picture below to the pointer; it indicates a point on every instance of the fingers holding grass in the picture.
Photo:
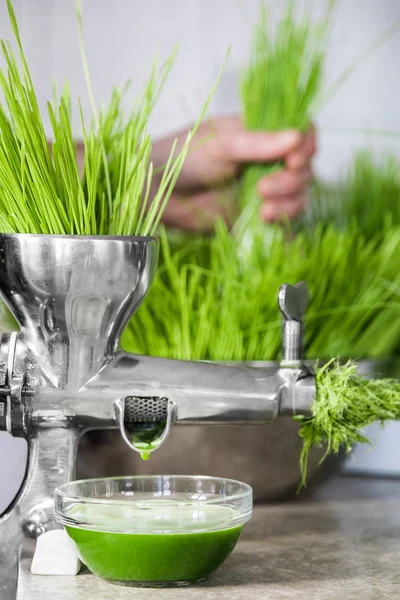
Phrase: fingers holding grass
(285, 183)
(281, 207)
(303, 154)
(284, 193)
(199, 212)
(260, 146)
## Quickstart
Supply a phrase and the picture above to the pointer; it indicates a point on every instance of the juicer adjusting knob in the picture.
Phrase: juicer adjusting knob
(292, 302)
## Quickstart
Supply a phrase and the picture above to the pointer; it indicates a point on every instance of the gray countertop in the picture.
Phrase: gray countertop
(340, 541)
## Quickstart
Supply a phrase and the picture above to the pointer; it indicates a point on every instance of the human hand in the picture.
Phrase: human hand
(219, 149)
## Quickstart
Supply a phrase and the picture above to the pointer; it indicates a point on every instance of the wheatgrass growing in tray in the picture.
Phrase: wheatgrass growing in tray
(206, 304)
(368, 196)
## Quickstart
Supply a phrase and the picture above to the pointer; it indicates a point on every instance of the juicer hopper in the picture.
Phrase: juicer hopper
(62, 374)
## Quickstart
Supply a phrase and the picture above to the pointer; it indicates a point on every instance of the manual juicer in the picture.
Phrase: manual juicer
(62, 374)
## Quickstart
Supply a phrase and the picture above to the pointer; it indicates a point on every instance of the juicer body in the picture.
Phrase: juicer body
(62, 374)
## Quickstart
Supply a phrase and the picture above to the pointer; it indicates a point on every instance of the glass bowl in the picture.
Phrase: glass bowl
(156, 530)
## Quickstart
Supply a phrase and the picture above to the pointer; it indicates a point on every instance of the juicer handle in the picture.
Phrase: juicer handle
(292, 301)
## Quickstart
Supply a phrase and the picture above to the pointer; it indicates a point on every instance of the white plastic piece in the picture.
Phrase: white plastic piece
(55, 554)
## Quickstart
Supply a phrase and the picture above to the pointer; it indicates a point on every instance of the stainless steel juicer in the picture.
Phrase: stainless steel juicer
(62, 374)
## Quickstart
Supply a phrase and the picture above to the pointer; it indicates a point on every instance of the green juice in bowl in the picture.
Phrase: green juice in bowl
(176, 533)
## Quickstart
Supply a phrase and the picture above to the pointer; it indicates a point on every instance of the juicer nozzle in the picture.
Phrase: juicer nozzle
(144, 423)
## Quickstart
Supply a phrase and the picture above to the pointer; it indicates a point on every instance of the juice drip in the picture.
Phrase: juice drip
(145, 436)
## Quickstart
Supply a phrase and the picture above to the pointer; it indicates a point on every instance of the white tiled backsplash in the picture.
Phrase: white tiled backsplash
(122, 37)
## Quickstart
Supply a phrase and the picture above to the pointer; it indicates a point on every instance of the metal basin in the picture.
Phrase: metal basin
(267, 457)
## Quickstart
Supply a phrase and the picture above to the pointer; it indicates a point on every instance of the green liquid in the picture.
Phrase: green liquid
(156, 558)
(143, 436)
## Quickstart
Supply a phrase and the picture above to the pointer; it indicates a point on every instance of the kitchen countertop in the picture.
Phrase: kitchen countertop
(341, 540)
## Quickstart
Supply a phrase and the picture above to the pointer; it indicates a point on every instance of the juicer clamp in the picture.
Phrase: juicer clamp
(13, 414)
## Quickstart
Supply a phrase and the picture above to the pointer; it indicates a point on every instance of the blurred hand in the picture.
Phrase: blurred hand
(221, 146)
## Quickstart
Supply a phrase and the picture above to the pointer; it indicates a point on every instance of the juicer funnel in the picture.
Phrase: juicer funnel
(72, 297)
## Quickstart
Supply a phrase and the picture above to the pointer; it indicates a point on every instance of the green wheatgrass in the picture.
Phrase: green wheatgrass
(43, 192)
(368, 196)
(345, 404)
(281, 85)
(205, 304)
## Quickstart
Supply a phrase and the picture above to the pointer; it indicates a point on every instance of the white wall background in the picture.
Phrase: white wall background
(122, 38)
